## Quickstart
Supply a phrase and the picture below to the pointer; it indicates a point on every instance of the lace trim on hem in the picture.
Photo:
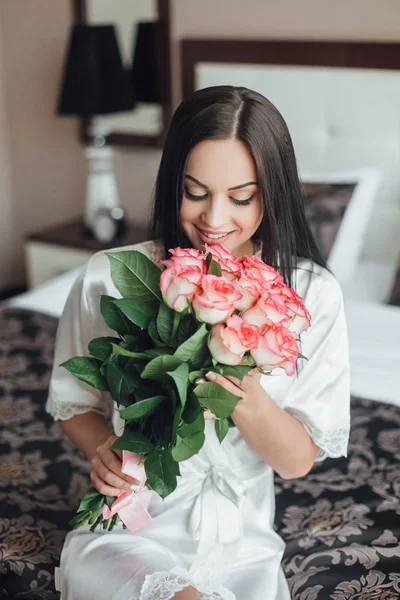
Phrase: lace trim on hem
(162, 585)
(332, 442)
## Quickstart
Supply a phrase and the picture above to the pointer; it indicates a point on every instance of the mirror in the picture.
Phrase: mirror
(146, 123)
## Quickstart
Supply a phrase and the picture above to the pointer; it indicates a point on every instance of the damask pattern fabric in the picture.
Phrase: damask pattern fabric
(341, 522)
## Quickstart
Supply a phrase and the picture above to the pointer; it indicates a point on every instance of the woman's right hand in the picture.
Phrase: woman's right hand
(106, 474)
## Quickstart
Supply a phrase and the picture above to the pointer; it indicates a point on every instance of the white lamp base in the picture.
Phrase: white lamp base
(101, 189)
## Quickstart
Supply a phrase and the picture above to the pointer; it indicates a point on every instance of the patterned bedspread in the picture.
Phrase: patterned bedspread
(341, 522)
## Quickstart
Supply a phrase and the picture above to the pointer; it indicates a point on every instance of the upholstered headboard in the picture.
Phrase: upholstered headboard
(341, 102)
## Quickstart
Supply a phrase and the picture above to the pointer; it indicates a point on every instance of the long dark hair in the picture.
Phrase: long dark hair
(223, 112)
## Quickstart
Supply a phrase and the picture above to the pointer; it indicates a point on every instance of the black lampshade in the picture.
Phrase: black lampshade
(95, 81)
(145, 63)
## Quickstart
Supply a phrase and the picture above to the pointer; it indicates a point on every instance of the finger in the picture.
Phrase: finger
(208, 415)
(102, 487)
(109, 476)
(109, 443)
(234, 380)
(225, 383)
(199, 380)
(112, 462)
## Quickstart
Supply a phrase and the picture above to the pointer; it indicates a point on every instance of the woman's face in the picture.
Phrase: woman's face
(222, 201)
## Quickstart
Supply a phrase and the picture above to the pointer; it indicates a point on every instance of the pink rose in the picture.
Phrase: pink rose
(216, 301)
(228, 261)
(229, 344)
(185, 256)
(276, 348)
(179, 283)
(261, 271)
(301, 318)
(269, 309)
(250, 288)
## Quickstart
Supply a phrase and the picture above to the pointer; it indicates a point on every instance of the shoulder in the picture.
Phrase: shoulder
(318, 287)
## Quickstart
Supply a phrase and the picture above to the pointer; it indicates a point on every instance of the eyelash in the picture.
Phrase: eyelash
(237, 202)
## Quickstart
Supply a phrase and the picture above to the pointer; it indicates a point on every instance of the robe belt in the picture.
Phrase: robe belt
(216, 514)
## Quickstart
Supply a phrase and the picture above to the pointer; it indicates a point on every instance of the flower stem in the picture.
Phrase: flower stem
(175, 325)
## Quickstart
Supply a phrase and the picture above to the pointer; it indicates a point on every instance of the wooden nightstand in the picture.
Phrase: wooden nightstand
(53, 251)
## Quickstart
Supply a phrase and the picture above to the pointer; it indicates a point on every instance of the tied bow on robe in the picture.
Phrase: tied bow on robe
(216, 513)
(132, 506)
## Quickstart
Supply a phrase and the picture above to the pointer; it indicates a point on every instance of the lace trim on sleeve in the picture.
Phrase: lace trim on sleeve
(162, 585)
(332, 442)
(61, 411)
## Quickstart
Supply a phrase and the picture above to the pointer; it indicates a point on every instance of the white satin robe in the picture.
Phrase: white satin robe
(215, 531)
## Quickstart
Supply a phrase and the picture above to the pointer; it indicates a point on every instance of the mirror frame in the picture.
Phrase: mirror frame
(164, 53)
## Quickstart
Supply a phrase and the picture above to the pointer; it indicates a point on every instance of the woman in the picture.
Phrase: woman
(227, 175)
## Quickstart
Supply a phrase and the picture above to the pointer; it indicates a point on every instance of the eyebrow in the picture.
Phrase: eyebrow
(236, 187)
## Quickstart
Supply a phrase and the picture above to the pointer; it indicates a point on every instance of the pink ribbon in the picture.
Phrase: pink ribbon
(132, 506)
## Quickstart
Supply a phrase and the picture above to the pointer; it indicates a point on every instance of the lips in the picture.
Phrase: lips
(211, 237)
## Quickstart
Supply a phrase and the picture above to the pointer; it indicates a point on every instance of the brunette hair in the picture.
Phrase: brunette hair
(222, 112)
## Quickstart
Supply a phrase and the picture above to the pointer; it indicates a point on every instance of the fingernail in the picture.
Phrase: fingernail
(134, 487)
(200, 380)
(210, 375)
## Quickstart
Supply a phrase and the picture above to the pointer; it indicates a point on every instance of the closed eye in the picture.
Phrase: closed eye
(194, 197)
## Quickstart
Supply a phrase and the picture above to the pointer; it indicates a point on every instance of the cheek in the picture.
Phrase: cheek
(189, 211)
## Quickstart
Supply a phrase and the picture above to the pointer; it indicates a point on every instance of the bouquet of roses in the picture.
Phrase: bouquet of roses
(206, 311)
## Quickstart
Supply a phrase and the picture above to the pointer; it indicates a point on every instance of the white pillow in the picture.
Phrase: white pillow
(346, 249)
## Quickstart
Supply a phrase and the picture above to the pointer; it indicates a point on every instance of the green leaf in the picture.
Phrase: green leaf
(216, 398)
(86, 369)
(221, 428)
(158, 368)
(192, 409)
(176, 422)
(142, 409)
(165, 319)
(135, 275)
(162, 426)
(194, 350)
(114, 318)
(180, 377)
(153, 333)
(238, 371)
(138, 312)
(189, 429)
(91, 501)
(188, 446)
(134, 442)
(118, 349)
(101, 347)
(300, 355)
(161, 471)
(187, 327)
(214, 268)
(120, 383)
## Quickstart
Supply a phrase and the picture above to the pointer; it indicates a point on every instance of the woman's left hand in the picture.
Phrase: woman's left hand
(249, 387)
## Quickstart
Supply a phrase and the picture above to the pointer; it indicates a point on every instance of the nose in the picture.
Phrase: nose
(215, 214)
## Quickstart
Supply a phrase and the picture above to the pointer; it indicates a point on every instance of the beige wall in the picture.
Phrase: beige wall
(46, 167)
(7, 227)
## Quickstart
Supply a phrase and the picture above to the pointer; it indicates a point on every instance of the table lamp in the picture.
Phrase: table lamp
(96, 83)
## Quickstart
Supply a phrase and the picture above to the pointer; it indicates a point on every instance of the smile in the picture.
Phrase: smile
(207, 236)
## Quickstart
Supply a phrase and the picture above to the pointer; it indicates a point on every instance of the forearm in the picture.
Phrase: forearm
(276, 436)
(87, 432)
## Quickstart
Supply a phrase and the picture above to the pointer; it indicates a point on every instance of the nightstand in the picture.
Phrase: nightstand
(58, 249)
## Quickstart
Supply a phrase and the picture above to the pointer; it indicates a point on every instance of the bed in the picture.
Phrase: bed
(341, 522)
